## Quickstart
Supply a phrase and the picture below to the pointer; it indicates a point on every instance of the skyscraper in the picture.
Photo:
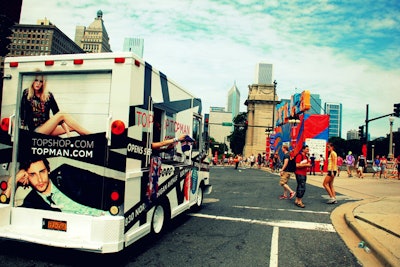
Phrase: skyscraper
(93, 39)
(42, 38)
(134, 45)
(233, 101)
(316, 104)
(334, 110)
(264, 73)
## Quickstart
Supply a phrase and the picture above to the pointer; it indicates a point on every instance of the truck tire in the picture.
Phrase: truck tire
(159, 220)
(199, 199)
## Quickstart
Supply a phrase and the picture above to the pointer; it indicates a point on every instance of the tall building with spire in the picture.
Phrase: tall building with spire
(93, 39)
(233, 101)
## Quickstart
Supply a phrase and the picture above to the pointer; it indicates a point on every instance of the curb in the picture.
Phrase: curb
(382, 254)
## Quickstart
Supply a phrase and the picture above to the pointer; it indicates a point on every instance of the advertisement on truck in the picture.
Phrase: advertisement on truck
(98, 150)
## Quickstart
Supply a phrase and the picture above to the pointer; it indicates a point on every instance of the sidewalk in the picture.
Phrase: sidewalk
(374, 218)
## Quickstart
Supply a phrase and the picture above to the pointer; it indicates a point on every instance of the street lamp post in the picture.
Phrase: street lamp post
(273, 106)
(268, 132)
(390, 156)
(394, 153)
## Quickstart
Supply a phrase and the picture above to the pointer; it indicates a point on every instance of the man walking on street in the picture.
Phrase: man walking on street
(302, 163)
(289, 166)
(312, 168)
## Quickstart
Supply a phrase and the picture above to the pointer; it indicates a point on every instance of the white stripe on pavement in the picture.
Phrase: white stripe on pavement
(273, 258)
(297, 210)
(280, 223)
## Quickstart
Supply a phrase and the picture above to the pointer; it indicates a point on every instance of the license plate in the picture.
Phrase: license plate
(54, 225)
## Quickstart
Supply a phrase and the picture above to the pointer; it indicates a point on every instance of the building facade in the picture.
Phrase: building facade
(261, 103)
(216, 130)
(93, 39)
(233, 101)
(135, 45)
(334, 110)
(352, 134)
(44, 38)
(316, 105)
(264, 73)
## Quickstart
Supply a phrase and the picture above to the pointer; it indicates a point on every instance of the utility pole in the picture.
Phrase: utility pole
(366, 123)
(396, 113)
(273, 106)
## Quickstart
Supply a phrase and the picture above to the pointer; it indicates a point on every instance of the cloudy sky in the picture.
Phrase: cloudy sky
(345, 51)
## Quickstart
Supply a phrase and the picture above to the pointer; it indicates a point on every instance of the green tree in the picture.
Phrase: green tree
(238, 137)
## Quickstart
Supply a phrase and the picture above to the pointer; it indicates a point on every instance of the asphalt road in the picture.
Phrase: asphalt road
(242, 223)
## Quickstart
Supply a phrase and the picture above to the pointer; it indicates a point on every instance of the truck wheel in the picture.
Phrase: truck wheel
(199, 199)
(159, 219)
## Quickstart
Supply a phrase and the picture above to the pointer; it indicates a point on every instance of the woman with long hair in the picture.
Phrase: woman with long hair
(36, 104)
(330, 176)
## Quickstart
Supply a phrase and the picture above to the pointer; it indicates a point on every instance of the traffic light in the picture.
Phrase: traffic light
(206, 119)
(396, 109)
(361, 132)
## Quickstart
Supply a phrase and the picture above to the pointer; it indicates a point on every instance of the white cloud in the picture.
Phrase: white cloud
(328, 47)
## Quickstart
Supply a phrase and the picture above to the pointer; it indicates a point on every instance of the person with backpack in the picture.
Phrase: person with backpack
(289, 166)
(302, 165)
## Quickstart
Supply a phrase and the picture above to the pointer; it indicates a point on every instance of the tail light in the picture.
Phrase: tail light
(5, 123)
(3, 197)
(119, 60)
(49, 62)
(3, 185)
(115, 197)
(117, 127)
(78, 61)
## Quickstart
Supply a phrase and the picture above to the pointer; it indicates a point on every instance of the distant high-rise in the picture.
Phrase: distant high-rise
(217, 109)
(134, 45)
(264, 73)
(352, 134)
(93, 39)
(316, 104)
(44, 38)
(334, 110)
(233, 100)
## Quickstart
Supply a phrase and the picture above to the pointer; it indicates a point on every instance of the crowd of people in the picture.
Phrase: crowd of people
(354, 166)
(303, 163)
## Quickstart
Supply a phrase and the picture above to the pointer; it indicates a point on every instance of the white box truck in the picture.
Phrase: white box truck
(97, 151)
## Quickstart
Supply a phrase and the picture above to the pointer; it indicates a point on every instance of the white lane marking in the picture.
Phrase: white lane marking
(297, 210)
(279, 223)
(273, 258)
